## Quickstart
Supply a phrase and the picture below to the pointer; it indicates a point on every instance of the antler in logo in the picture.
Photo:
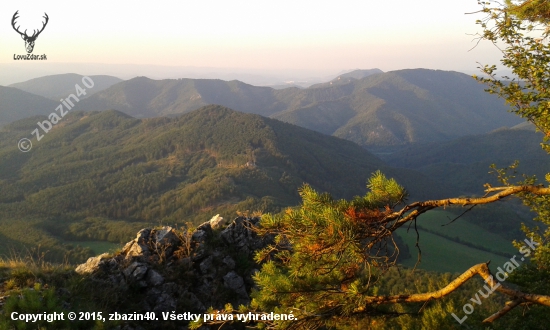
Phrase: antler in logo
(29, 40)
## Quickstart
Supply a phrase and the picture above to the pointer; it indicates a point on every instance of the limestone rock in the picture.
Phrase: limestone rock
(139, 272)
(154, 278)
(166, 235)
(135, 272)
(199, 238)
(139, 247)
(91, 265)
(233, 281)
(217, 222)
(167, 281)
(229, 262)
(240, 235)
(207, 267)
(163, 242)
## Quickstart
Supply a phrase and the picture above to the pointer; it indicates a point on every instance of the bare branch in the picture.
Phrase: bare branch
(417, 208)
(459, 216)
(509, 306)
(479, 269)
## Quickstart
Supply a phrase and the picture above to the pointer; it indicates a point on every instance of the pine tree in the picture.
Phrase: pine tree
(328, 256)
(323, 251)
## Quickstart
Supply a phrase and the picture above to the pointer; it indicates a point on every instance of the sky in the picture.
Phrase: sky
(289, 39)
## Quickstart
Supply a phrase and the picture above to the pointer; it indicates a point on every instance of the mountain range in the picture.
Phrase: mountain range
(372, 108)
(406, 106)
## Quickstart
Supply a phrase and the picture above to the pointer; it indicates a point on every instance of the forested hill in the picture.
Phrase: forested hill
(143, 97)
(213, 160)
(406, 106)
(464, 163)
(349, 77)
(16, 104)
(379, 110)
(502, 144)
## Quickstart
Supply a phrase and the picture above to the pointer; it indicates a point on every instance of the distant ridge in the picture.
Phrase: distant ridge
(402, 107)
(526, 126)
(360, 74)
(16, 104)
(142, 97)
(464, 162)
(348, 77)
(61, 85)
(380, 110)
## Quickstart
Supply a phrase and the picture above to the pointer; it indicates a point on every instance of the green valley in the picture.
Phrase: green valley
(104, 175)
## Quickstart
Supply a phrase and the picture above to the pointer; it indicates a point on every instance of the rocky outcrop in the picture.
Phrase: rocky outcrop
(92, 264)
(217, 222)
(170, 270)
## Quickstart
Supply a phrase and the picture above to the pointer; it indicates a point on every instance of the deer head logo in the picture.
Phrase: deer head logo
(29, 40)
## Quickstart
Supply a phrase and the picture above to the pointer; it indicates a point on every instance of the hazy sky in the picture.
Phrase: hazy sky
(320, 37)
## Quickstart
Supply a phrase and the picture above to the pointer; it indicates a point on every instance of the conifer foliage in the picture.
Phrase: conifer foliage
(328, 254)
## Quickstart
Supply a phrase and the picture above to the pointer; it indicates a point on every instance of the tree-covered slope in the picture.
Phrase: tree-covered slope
(144, 97)
(96, 168)
(406, 106)
(348, 77)
(464, 162)
(16, 104)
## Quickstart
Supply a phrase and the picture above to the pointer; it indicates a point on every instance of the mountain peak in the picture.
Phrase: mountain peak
(359, 73)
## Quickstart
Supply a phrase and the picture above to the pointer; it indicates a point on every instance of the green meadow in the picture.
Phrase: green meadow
(442, 250)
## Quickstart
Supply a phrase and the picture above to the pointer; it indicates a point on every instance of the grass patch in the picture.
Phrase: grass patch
(456, 246)
(443, 255)
(98, 247)
(464, 230)
(33, 285)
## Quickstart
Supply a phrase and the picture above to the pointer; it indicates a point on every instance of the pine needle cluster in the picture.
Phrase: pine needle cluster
(327, 255)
